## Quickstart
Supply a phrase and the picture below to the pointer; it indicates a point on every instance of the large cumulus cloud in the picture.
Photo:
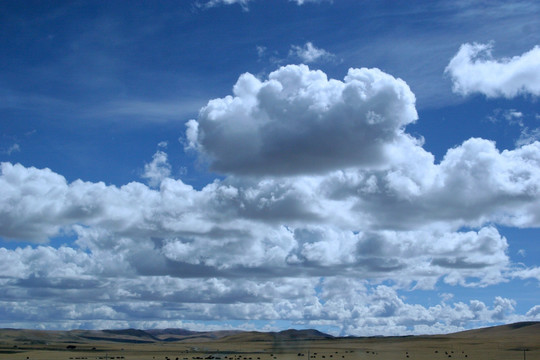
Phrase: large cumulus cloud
(299, 121)
(475, 183)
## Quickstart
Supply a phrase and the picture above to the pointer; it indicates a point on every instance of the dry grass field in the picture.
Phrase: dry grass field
(508, 342)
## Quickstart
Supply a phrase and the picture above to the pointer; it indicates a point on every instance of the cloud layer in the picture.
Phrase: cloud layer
(473, 70)
(328, 210)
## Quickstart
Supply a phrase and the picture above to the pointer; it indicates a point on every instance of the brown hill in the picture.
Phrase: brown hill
(508, 342)
(511, 330)
(286, 335)
(522, 330)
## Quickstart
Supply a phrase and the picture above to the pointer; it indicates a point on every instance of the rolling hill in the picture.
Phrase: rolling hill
(182, 335)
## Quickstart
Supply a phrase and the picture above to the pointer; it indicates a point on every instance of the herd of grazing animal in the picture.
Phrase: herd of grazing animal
(337, 354)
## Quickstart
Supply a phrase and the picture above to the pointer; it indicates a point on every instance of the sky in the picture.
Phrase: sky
(357, 167)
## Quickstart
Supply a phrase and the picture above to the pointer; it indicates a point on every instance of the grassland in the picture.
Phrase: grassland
(508, 342)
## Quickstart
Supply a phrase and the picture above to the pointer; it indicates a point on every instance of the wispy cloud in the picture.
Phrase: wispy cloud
(214, 3)
(12, 149)
(144, 110)
(244, 3)
(528, 136)
(529, 131)
(302, 2)
(308, 53)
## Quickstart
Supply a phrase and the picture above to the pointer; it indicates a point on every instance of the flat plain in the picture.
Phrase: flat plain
(507, 342)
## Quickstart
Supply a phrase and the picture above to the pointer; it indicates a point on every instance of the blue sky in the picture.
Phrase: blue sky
(358, 167)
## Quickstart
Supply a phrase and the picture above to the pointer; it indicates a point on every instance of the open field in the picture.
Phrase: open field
(508, 342)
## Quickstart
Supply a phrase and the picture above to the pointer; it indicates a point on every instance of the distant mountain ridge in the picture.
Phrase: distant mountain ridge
(184, 335)
(155, 335)
(303, 334)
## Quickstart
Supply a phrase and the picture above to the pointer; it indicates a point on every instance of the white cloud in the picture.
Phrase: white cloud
(13, 148)
(527, 273)
(159, 169)
(313, 244)
(509, 173)
(511, 116)
(72, 279)
(244, 3)
(309, 53)
(261, 51)
(528, 136)
(300, 115)
(145, 111)
(214, 3)
(330, 220)
(381, 311)
(534, 312)
(474, 70)
(178, 230)
(517, 118)
(473, 184)
(302, 2)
